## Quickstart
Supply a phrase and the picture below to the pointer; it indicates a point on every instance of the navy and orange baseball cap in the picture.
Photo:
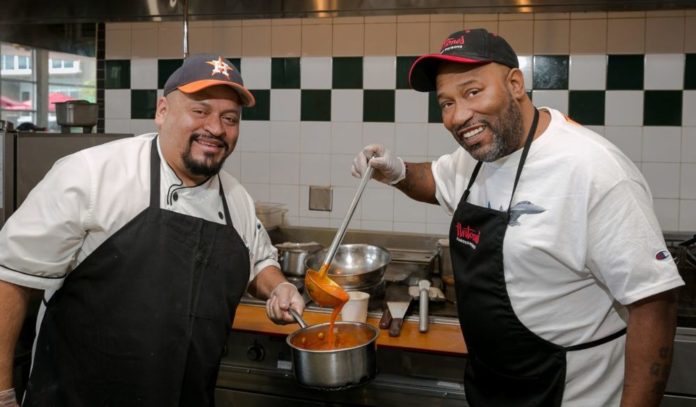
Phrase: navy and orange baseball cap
(201, 71)
(474, 46)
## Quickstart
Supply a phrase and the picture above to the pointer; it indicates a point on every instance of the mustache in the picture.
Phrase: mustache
(197, 136)
(459, 128)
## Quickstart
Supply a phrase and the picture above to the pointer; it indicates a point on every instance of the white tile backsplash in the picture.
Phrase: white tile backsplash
(254, 136)
(409, 227)
(379, 133)
(142, 126)
(379, 72)
(315, 137)
(340, 170)
(440, 141)
(688, 184)
(117, 104)
(410, 138)
(408, 210)
(688, 151)
(288, 195)
(258, 192)
(143, 73)
(588, 72)
(255, 168)
(663, 179)
(557, 99)
(661, 144)
(347, 105)
(378, 204)
(315, 72)
(664, 71)
(285, 104)
(117, 126)
(346, 138)
(667, 212)
(689, 108)
(623, 108)
(342, 198)
(315, 169)
(284, 136)
(687, 215)
(629, 139)
(284, 168)
(526, 68)
(411, 106)
(256, 72)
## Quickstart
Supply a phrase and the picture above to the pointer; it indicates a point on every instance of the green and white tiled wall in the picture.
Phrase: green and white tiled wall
(314, 112)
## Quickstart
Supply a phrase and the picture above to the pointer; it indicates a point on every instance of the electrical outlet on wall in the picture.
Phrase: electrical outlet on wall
(320, 198)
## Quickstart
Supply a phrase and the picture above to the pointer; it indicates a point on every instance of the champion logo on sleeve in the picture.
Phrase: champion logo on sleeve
(662, 255)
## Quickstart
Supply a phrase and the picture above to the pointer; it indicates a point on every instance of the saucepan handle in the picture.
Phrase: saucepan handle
(298, 318)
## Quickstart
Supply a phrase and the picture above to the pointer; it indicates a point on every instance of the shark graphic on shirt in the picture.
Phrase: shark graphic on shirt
(523, 208)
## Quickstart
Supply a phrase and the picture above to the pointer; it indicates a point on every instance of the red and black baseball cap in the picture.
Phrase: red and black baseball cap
(475, 46)
(201, 71)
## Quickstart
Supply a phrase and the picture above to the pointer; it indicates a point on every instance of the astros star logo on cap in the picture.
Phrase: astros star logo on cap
(219, 67)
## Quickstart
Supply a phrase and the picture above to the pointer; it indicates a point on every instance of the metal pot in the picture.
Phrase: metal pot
(76, 113)
(334, 369)
(292, 256)
(355, 266)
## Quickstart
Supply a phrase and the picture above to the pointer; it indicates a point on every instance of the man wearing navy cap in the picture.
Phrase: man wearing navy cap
(564, 285)
(144, 248)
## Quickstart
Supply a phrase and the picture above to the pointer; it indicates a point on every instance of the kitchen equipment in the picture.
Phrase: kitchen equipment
(270, 214)
(386, 319)
(322, 289)
(398, 301)
(423, 289)
(76, 113)
(292, 256)
(355, 309)
(355, 266)
(333, 369)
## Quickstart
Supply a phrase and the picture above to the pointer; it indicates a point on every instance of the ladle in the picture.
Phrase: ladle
(322, 289)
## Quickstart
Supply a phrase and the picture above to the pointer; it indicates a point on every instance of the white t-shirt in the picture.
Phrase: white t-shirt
(583, 241)
(89, 195)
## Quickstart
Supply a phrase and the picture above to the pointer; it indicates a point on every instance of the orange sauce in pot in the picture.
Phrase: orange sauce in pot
(345, 336)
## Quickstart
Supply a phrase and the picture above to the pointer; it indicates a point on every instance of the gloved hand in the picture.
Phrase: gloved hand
(8, 398)
(284, 296)
(388, 168)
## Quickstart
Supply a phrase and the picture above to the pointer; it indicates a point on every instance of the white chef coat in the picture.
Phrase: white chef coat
(583, 241)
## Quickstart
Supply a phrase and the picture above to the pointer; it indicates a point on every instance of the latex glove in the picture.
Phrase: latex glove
(284, 296)
(388, 168)
(8, 398)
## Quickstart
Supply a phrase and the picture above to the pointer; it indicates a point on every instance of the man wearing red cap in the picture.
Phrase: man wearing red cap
(565, 288)
(144, 248)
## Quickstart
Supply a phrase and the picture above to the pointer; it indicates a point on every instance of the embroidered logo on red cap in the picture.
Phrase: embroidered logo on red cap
(450, 43)
(468, 235)
(219, 66)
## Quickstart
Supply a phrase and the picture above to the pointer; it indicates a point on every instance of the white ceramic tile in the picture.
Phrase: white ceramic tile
(285, 104)
(667, 212)
(256, 72)
(284, 168)
(315, 72)
(340, 170)
(526, 68)
(346, 105)
(663, 179)
(689, 108)
(342, 197)
(379, 133)
(378, 204)
(143, 73)
(285, 137)
(597, 129)
(664, 71)
(315, 169)
(346, 138)
(233, 165)
(304, 207)
(377, 226)
(288, 195)
(141, 126)
(557, 99)
(292, 220)
(314, 222)
(258, 192)
(628, 139)
(117, 104)
(623, 108)
(688, 181)
(688, 145)
(440, 229)
(379, 72)
(662, 144)
(687, 215)
(255, 168)
(440, 141)
(411, 139)
(315, 137)
(408, 210)
(254, 136)
(588, 72)
(116, 126)
(355, 224)
(408, 227)
(410, 106)
(436, 214)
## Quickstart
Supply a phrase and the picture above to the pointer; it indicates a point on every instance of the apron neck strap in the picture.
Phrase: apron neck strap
(154, 175)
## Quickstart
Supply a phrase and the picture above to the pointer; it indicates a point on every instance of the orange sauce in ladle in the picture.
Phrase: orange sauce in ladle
(325, 292)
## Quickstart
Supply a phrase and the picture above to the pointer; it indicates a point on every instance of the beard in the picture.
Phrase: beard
(209, 165)
(507, 134)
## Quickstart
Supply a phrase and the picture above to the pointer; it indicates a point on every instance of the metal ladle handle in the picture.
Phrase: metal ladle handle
(298, 318)
(351, 209)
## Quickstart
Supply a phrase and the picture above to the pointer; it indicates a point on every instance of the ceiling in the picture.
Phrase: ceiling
(71, 11)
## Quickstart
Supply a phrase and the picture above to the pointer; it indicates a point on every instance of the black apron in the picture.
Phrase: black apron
(508, 365)
(143, 320)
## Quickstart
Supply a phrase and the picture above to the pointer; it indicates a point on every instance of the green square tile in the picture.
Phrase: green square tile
(117, 74)
(143, 103)
(690, 72)
(347, 73)
(625, 72)
(403, 67)
(237, 62)
(378, 105)
(434, 111)
(285, 73)
(262, 109)
(662, 108)
(550, 72)
(316, 105)
(587, 107)
(166, 67)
